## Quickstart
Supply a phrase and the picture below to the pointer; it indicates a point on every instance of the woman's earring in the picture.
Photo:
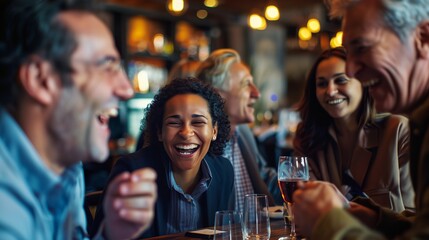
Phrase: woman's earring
(214, 138)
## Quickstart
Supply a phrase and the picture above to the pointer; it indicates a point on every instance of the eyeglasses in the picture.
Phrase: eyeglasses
(109, 65)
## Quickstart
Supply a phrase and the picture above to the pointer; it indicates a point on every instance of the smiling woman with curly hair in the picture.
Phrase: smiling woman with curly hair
(185, 131)
(152, 123)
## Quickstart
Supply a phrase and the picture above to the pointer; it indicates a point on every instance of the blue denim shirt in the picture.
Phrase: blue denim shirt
(35, 202)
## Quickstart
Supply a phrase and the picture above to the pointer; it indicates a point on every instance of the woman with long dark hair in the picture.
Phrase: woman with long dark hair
(360, 152)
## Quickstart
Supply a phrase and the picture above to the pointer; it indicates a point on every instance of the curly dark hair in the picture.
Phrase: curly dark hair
(31, 27)
(315, 121)
(154, 112)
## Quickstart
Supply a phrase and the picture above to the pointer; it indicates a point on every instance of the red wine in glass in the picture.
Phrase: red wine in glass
(287, 187)
(291, 170)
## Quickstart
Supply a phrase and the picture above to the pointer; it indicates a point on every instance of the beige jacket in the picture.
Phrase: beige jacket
(337, 224)
(380, 163)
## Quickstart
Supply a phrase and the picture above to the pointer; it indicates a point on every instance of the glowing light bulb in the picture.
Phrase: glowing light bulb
(304, 34)
(211, 3)
(337, 41)
(176, 7)
(313, 25)
(257, 22)
(272, 13)
(339, 37)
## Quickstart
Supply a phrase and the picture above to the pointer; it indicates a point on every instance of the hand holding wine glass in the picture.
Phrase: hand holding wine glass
(314, 200)
(290, 171)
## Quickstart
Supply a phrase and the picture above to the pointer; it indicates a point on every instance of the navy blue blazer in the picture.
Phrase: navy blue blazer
(216, 198)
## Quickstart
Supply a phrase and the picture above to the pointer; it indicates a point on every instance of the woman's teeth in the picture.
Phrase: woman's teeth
(187, 149)
(336, 101)
(188, 146)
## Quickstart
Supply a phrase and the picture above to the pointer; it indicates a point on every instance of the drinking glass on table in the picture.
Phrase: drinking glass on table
(227, 225)
(256, 222)
(290, 171)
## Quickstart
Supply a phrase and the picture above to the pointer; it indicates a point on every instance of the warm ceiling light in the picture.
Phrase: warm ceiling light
(304, 34)
(337, 40)
(334, 43)
(272, 13)
(257, 22)
(339, 37)
(313, 25)
(201, 14)
(176, 7)
(211, 3)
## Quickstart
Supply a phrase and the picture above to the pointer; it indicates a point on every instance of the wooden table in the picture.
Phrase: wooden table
(277, 230)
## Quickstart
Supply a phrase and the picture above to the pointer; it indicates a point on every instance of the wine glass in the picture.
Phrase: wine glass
(290, 171)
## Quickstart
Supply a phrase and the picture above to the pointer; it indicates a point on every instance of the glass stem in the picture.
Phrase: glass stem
(292, 221)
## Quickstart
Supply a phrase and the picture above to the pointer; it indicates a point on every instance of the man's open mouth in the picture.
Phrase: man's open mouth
(104, 116)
